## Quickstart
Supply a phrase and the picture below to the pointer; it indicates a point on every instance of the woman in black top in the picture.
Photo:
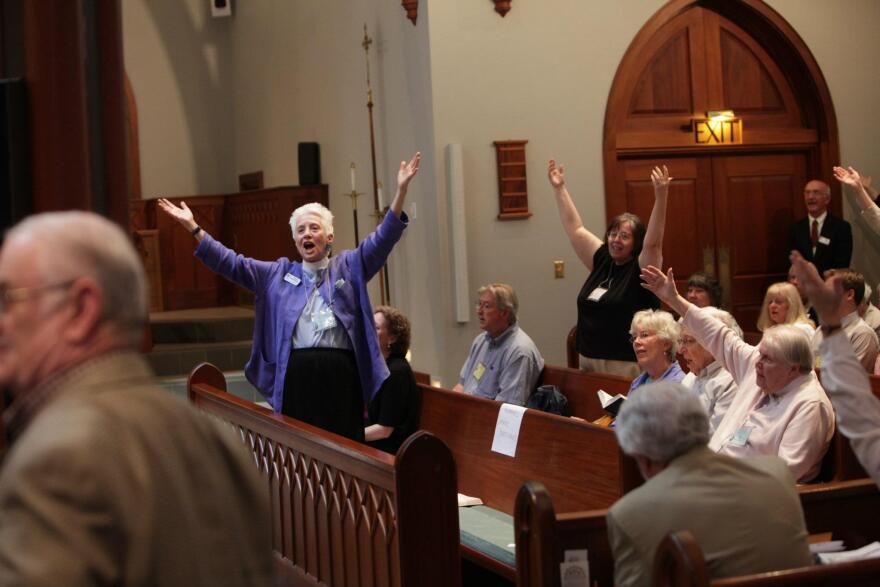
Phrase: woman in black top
(612, 293)
(393, 413)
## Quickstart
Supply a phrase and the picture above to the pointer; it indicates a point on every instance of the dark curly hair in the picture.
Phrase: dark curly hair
(398, 327)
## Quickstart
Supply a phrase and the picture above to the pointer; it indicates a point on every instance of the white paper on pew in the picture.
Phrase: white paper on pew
(573, 555)
(827, 546)
(467, 500)
(507, 429)
(574, 574)
(870, 551)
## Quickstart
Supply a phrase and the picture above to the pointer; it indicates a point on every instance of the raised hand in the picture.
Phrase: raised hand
(660, 178)
(848, 176)
(408, 171)
(660, 284)
(825, 296)
(181, 214)
(555, 174)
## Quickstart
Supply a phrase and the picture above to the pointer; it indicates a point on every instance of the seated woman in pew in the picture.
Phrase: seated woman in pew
(703, 290)
(783, 305)
(779, 408)
(844, 378)
(707, 378)
(654, 335)
(313, 357)
(394, 412)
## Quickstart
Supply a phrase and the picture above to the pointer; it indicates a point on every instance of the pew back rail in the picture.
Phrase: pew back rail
(679, 562)
(344, 513)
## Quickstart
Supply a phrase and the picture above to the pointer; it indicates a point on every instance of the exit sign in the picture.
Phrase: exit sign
(708, 131)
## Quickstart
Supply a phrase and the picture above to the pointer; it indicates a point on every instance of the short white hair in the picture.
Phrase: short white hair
(84, 244)
(661, 421)
(790, 344)
(663, 324)
(320, 210)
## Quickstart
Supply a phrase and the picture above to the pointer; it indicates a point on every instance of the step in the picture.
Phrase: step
(180, 358)
(202, 325)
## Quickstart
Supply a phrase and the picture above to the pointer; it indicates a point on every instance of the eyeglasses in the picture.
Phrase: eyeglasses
(22, 294)
(641, 336)
(687, 341)
(484, 305)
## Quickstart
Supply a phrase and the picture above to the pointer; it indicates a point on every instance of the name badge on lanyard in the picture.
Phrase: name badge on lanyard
(597, 294)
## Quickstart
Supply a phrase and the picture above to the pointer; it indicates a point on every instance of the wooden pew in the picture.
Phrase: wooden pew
(839, 463)
(344, 513)
(846, 509)
(680, 563)
(580, 463)
(580, 388)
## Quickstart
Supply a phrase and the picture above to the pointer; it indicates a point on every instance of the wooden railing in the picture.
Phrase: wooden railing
(344, 513)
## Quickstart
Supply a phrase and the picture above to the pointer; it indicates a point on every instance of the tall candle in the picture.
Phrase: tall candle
(381, 201)
(352, 177)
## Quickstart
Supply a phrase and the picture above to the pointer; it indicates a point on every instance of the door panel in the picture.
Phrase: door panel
(689, 243)
(754, 199)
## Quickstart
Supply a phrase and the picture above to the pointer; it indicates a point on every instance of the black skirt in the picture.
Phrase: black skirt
(322, 388)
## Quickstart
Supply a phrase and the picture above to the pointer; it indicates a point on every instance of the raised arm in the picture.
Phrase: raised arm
(405, 174)
(662, 285)
(851, 178)
(183, 215)
(652, 250)
(584, 242)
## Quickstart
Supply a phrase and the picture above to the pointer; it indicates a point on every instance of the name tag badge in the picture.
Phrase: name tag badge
(324, 319)
(292, 279)
(597, 294)
(824, 240)
(741, 436)
(479, 370)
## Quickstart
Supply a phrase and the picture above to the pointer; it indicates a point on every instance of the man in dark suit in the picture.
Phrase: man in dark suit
(822, 238)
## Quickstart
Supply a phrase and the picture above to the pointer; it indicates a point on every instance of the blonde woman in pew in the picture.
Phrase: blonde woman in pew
(612, 293)
(843, 377)
(315, 353)
(394, 412)
(783, 305)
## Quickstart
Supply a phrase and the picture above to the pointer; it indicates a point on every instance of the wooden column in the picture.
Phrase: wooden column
(77, 106)
(55, 74)
(112, 104)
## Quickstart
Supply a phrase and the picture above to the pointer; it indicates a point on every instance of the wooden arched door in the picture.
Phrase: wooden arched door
(731, 204)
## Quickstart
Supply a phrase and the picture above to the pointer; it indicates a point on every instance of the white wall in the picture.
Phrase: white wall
(462, 75)
(178, 61)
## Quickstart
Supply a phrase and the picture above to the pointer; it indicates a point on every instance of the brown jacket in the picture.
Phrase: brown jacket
(116, 482)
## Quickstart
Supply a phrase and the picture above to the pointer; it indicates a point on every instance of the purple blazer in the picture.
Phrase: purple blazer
(280, 296)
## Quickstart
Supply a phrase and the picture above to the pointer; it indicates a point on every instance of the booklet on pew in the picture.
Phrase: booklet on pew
(467, 500)
(870, 551)
(610, 403)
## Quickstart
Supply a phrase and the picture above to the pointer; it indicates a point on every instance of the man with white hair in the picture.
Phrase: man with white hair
(707, 378)
(664, 427)
(503, 363)
(780, 408)
(108, 480)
